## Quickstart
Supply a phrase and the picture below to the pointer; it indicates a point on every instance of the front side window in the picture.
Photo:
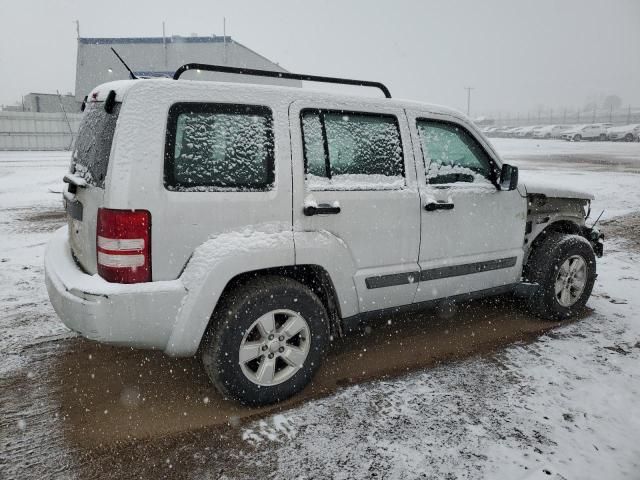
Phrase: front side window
(219, 147)
(352, 151)
(452, 155)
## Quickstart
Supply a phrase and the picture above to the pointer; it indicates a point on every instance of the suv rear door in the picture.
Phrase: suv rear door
(89, 163)
(472, 233)
(359, 159)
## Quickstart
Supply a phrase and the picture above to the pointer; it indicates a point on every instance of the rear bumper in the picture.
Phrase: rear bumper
(139, 315)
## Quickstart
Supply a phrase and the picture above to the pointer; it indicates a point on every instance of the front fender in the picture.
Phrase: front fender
(212, 266)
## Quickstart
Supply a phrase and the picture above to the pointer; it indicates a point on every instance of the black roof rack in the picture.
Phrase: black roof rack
(273, 74)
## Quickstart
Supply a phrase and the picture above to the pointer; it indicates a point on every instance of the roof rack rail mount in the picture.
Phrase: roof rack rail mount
(286, 75)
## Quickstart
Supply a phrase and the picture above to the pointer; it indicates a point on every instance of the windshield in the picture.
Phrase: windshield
(90, 157)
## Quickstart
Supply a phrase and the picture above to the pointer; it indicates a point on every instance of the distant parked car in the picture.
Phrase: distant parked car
(550, 131)
(508, 131)
(627, 133)
(515, 132)
(526, 132)
(585, 132)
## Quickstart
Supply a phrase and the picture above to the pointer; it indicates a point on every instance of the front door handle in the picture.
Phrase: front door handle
(322, 209)
(433, 206)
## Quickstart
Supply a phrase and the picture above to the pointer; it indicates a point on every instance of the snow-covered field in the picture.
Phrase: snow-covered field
(564, 406)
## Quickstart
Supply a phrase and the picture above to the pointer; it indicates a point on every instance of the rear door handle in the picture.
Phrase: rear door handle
(433, 206)
(322, 209)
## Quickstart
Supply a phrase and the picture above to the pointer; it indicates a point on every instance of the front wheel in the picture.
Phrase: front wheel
(564, 267)
(266, 341)
(628, 137)
(577, 138)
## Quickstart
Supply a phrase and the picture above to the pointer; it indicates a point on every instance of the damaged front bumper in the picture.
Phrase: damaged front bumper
(596, 239)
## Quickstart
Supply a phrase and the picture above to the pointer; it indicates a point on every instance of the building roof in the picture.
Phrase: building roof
(148, 40)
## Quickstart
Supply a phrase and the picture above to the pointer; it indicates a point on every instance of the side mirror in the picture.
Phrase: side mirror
(508, 177)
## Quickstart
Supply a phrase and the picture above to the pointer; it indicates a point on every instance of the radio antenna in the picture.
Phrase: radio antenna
(597, 219)
(131, 74)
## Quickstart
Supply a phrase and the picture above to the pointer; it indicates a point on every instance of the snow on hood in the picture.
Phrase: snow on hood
(551, 189)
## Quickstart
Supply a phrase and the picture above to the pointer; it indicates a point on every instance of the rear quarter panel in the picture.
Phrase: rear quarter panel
(182, 221)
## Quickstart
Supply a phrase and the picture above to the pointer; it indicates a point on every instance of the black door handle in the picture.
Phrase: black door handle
(432, 206)
(322, 209)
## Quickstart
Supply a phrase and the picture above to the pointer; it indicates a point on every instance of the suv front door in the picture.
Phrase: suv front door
(355, 167)
(472, 233)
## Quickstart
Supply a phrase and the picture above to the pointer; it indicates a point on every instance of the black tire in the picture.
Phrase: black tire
(577, 138)
(543, 267)
(237, 311)
(628, 137)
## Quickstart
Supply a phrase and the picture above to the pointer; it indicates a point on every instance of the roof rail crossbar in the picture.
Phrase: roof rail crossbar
(273, 74)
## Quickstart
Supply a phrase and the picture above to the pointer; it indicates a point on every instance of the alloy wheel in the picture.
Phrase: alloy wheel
(274, 347)
(570, 280)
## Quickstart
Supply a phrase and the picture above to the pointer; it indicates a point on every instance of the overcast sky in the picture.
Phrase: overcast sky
(518, 55)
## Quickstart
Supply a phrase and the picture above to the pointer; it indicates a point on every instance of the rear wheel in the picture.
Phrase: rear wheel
(628, 137)
(564, 267)
(577, 138)
(266, 341)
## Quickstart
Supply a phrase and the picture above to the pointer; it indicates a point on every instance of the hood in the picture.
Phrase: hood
(555, 190)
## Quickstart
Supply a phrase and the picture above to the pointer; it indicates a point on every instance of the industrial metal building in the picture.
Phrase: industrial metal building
(50, 121)
(161, 57)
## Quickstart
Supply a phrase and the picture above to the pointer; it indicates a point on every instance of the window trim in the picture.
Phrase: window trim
(493, 165)
(325, 141)
(178, 108)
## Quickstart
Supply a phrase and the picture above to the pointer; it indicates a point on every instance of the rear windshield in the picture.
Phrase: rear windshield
(90, 157)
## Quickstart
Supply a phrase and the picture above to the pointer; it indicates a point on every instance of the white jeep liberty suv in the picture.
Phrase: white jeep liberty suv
(251, 224)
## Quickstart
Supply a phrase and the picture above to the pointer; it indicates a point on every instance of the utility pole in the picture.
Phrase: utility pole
(224, 39)
(164, 46)
(468, 89)
(629, 114)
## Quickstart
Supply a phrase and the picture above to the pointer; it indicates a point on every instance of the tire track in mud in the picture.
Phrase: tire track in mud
(104, 406)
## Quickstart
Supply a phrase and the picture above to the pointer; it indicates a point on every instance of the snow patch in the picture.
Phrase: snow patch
(277, 428)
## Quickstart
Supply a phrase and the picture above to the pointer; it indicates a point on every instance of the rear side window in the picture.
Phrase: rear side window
(90, 158)
(352, 151)
(219, 147)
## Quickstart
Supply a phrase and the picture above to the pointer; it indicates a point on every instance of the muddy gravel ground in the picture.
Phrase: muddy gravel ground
(72, 408)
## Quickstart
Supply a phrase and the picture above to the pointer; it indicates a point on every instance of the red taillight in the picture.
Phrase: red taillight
(123, 245)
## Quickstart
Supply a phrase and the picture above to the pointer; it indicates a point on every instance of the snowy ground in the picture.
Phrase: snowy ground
(560, 405)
